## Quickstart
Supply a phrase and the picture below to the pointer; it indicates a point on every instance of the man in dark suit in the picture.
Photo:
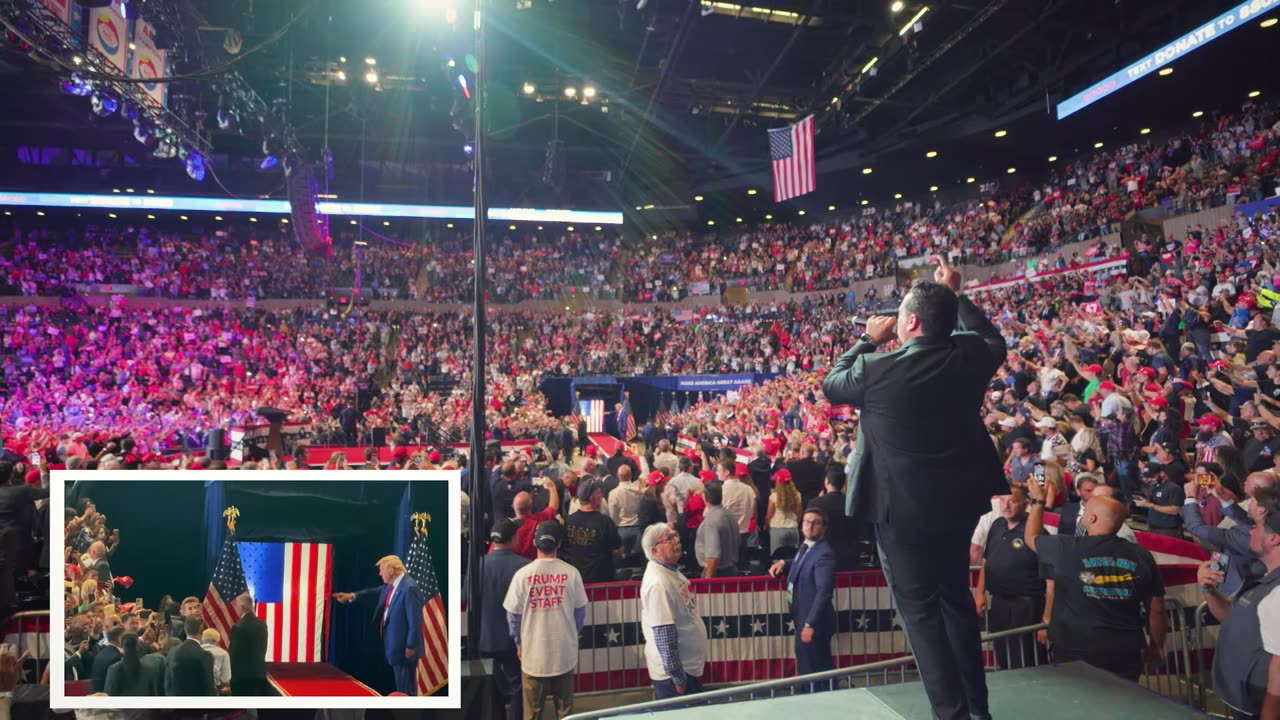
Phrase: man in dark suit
(190, 669)
(399, 620)
(811, 581)
(620, 417)
(109, 655)
(924, 470)
(807, 474)
(1069, 516)
(842, 531)
(248, 651)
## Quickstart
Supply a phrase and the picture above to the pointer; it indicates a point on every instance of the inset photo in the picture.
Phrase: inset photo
(234, 589)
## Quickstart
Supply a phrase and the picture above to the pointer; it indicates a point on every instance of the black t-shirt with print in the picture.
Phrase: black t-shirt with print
(1102, 585)
(589, 541)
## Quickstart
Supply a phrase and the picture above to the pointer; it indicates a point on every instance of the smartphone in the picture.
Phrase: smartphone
(1219, 562)
(34, 458)
(1204, 479)
(1038, 474)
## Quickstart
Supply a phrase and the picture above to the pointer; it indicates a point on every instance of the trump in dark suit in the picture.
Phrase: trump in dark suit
(399, 619)
(811, 582)
(924, 470)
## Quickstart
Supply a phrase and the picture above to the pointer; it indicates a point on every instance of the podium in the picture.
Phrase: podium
(275, 418)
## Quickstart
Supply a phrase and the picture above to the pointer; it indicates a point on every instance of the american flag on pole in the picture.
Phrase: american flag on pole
(290, 582)
(433, 667)
(791, 150)
(227, 584)
(629, 431)
(593, 411)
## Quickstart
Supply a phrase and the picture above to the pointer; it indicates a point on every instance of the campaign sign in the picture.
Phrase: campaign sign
(107, 32)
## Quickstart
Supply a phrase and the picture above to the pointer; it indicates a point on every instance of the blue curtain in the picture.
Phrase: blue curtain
(215, 528)
(403, 529)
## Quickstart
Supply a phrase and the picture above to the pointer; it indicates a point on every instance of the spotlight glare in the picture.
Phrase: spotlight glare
(831, 208)
(768, 217)
(342, 75)
(697, 198)
(1269, 22)
(865, 202)
(1197, 113)
(1165, 72)
(588, 92)
(371, 77)
(571, 92)
(1255, 93)
(1012, 170)
(969, 180)
(866, 171)
(933, 188)
(800, 213)
(751, 191)
(1097, 145)
(528, 88)
(897, 196)
(1001, 133)
(931, 154)
(1144, 131)
(1053, 158)
(896, 7)
(370, 61)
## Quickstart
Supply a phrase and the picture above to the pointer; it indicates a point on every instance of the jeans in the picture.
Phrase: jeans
(663, 689)
(1125, 480)
(630, 539)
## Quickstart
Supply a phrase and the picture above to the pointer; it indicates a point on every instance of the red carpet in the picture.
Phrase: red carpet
(608, 444)
(315, 680)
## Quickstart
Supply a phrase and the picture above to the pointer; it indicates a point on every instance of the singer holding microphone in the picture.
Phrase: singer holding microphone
(924, 470)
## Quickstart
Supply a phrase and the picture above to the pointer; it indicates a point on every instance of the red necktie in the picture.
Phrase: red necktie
(385, 604)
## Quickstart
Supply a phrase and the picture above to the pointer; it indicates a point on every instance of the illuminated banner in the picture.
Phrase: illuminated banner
(60, 9)
(147, 61)
(281, 207)
(107, 32)
(1206, 33)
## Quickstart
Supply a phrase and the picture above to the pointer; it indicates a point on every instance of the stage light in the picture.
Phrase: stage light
(831, 208)
(751, 191)
(1001, 133)
(1097, 145)
(128, 190)
(143, 133)
(77, 60)
(968, 180)
(697, 198)
(800, 213)
(39, 213)
(511, 227)
(571, 92)
(912, 22)
(870, 64)
(588, 92)
(133, 46)
(452, 63)
(195, 165)
(1165, 72)
(227, 120)
(1144, 131)
(77, 86)
(449, 225)
(896, 7)
(468, 149)
(253, 219)
(182, 217)
(1197, 113)
(165, 150)
(386, 223)
(284, 220)
(1255, 93)
(866, 171)
(897, 196)
(1053, 158)
(371, 77)
(738, 219)
(342, 75)
(103, 103)
(110, 215)
(128, 8)
(570, 228)
(218, 218)
(1012, 170)
(931, 154)
(865, 202)
(1269, 22)
(528, 88)
(353, 222)
(713, 222)
(268, 162)
(933, 188)
(150, 216)
(370, 61)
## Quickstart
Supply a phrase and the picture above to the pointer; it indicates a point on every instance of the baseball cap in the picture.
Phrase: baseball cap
(548, 535)
(503, 530)
(1106, 385)
(783, 475)
(1095, 368)
(1256, 423)
(1158, 402)
(1152, 469)
(587, 487)
(1207, 419)
(706, 476)
(656, 477)
(1046, 423)
(434, 456)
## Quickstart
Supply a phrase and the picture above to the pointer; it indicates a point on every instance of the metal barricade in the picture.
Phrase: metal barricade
(1177, 675)
(873, 674)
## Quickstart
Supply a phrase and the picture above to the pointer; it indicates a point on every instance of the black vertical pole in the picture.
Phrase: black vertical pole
(479, 483)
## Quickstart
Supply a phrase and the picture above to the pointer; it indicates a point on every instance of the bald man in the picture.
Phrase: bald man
(1098, 588)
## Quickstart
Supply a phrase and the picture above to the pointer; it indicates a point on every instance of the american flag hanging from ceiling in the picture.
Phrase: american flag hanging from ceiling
(791, 151)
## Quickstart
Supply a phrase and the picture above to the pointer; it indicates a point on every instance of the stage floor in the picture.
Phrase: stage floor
(315, 680)
(1074, 691)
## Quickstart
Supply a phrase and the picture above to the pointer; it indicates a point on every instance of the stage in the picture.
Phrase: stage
(315, 680)
(1054, 692)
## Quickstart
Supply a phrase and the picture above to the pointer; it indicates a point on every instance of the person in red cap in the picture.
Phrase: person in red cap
(783, 514)
(1209, 437)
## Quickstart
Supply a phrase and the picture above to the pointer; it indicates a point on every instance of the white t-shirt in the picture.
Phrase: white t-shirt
(545, 593)
(1269, 620)
(667, 598)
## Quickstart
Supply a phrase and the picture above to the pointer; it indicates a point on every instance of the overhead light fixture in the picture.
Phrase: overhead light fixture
(1053, 158)
(697, 198)
(195, 165)
(182, 217)
(253, 219)
(528, 88)
(1269, 22)
(768, 216)
(800, 213)
(933, 188)
(931, 154)
(103, 103)
(218, 218)
(227, 120)
(1144, 131)
(1197, 113)
(1097, 145)
(870, 64)
(912, 22)
(1001, 133)
(571, 91)
(751, 191)
(713, 222)
(342, 75)
(371, 77)
(866, 202)
(831, 208)
(866, 171)
(969, 180)
(1012, 170)
(77, 86)
(110, 215)
(1255, 93)
(597, 228)
(897, 6)
(1165, 72)
(150, 216)
(897, 196)
(588, 92)
(739, 219)
(370, 61)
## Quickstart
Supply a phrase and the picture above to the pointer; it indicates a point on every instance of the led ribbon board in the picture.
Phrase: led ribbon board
(281, 207)
(1188, 43)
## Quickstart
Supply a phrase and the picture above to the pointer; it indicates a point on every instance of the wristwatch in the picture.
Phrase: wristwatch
(866, 338)
(1034, 501)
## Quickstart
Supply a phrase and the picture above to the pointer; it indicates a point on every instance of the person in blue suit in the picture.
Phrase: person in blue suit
(399, 619)
(811, 582)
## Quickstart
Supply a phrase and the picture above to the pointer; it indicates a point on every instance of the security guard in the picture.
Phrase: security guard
(1011, 574)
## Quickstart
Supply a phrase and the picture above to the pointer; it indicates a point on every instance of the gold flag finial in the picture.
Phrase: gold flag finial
(231, 513)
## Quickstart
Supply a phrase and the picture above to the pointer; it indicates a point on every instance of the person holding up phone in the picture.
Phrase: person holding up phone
(1162, 499)
(1233, 542)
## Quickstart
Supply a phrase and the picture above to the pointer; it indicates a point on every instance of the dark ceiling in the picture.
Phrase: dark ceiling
(684, 96)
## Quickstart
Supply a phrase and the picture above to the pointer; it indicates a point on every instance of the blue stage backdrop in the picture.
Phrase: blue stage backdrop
(171, 534)
(646, 391)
